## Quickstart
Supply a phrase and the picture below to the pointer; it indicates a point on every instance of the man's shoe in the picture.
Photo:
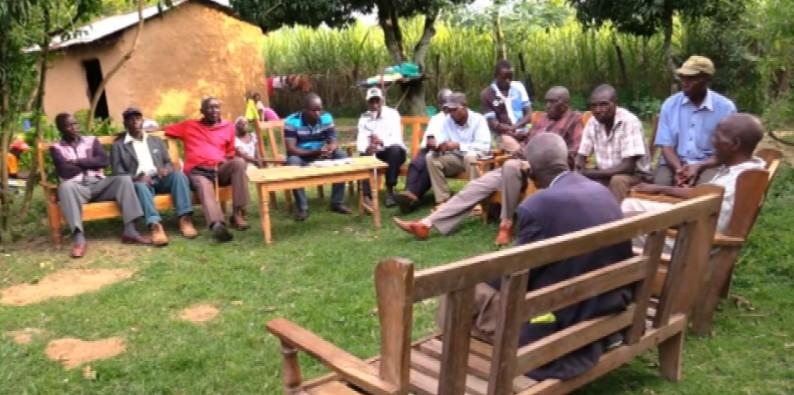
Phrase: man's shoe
(238, 222)
(220, 233)
(186, 227)
(340, 208)
(137, 239)
(406, 201)
(367, 204)
(416, 228)
(78, 250)
(388, 199)
(301, 215)
(159, 238)
(505, 236)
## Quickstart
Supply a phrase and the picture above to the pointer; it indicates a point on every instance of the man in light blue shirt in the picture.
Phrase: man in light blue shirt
(687, 123)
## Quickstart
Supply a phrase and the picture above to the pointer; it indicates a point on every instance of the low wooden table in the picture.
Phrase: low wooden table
(294, 177)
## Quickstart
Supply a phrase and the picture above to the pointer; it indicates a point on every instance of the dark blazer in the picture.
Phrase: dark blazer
(572, 203)
(124, 161)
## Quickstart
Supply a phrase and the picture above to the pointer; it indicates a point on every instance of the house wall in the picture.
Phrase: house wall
(185, 54)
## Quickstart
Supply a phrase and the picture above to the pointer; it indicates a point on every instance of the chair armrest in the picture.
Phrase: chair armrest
(351, 368)
(721, 240)
(655, 198)
(47, 185)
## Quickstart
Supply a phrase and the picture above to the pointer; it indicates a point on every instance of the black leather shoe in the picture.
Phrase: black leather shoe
(388, 199)
(340, 208)
(220, 233)
(301, 215)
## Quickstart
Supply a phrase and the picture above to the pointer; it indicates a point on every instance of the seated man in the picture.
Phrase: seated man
(568, 202)
(310, 135)
(417, 182)
(686, 125)
(734, 141)
(145, 158)
(210, 156)
(464, 138)
(506, 106)
(380, 134)
(510, 179)
(79, 161)
(616, 138)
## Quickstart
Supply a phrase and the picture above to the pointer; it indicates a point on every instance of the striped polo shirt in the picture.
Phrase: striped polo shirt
(309, 137)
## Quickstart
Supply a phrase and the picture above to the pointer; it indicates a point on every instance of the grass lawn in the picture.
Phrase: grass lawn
(319, 274)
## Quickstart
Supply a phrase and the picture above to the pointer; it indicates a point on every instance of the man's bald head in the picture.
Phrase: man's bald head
(559, 92)
(605, 91)
(557, 100)
(746, 129)
(310, 99)
(547, 155)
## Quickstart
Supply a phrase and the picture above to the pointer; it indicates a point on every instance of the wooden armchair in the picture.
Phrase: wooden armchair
(452, 362)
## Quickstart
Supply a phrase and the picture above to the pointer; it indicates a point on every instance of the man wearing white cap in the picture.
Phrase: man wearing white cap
(380, 134)
(686, 125)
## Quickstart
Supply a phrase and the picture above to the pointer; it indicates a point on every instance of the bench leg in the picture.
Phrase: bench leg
(670, 354)
(54, 218)
(721, 271)
(320, 192)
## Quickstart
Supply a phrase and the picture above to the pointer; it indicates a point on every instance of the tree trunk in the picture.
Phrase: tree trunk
(5, 194)
(624, 79)
(499, 35)
(667, 26)
(392, 36)
(115, 68)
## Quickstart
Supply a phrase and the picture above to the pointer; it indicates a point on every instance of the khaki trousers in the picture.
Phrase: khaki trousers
(449, 164)
(664, 175)
(231, 172)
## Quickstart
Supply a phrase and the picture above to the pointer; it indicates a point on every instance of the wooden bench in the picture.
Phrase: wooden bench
(106, 209)
(751, 188)
(451, 362)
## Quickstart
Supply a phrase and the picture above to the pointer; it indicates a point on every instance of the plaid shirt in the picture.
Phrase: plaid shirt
(626, 140)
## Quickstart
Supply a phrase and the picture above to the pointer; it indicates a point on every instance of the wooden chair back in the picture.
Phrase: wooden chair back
(273, 132)
(399, 287)
(417, 125)
(751, 188)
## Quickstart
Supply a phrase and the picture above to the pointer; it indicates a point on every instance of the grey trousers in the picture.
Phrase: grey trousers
(664, 175)
(72, 195)
(231, 172)
(449, 164)
(509, 179)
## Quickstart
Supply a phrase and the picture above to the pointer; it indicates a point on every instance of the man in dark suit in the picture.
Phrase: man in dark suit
(568, 202)
(145, 158)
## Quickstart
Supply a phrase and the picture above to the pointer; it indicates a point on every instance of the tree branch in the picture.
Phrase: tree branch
(423, 45)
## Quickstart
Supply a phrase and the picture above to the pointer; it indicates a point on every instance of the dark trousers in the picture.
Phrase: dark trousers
(337, 190)
(231, 172)
(394, 156)
(418, 180)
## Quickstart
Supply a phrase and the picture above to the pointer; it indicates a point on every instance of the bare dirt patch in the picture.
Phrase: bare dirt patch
(24, 336)
(199, 313)
(74, 352)
(61, 284)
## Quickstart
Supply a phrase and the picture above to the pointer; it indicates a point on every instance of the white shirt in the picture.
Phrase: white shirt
(474, 135)
(386, 126)
(434, 126)
(248, 148)
(726, 178)
(142, 154)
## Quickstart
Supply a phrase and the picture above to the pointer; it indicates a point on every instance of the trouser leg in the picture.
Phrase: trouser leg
(232, 172)
(513, 185)
(447, 217)
(338, 189)
(470, 163)
(177, 184)
(122, 190)
(439, 167)
(706, 176)
(509, 144)
(145, 195)
(205, 189)
(621, 184)
(71, 197)
(394, 156)
(663, 175)
(298, 194)
(418, 179)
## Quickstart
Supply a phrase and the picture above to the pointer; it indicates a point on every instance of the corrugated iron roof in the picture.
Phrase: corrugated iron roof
(114, 24)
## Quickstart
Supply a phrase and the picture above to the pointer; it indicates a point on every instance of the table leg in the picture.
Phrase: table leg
(361, 202)
(373, 181)
(264, 209)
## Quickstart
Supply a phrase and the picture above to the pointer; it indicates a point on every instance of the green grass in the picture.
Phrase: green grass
(319, 274)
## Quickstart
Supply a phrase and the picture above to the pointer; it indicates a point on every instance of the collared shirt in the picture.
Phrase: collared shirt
(726, 178)
(474, 135)
(205, 146)
(687, 128)
(505, 109)
(434, 128)
(569, 127)
(309, 137)
(625, 141)
(386, 126)
(142, 154)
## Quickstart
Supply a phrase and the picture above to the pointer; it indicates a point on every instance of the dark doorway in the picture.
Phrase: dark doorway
(93, 75)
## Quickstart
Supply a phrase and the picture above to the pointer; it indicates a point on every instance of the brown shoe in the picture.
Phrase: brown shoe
(186, 227)
(78, 250)
(416, 228)
(407, 202)
(505, 235)
(159, 238)
(139, 239)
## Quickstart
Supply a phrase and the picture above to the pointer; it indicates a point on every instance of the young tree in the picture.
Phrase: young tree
(272, 14)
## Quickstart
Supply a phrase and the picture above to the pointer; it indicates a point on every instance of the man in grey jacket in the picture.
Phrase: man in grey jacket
(145, 158)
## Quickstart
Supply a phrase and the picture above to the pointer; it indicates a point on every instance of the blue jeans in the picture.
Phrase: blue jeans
(176, 183)
(337, 191)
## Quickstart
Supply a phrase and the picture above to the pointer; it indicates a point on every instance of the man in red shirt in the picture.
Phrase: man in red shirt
(210, 154)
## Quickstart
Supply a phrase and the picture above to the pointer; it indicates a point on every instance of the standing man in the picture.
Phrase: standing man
(615, 137)
(210, 157)
(145, 158)
(506, 106)
(686, 126)
(79, 161)
(417, 182)
(464, 138)
(380, 133)
(311, 135)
